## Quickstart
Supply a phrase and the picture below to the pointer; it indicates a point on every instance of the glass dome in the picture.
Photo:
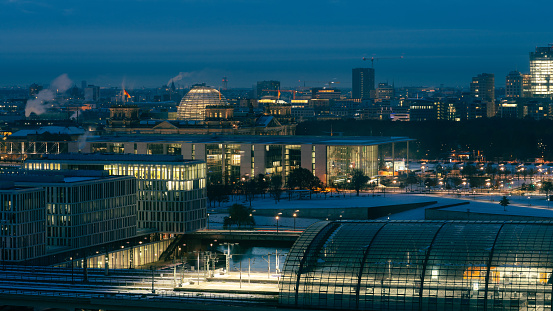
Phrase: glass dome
(192, 106)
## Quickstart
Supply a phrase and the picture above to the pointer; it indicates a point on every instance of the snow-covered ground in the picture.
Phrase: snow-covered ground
(533, 205)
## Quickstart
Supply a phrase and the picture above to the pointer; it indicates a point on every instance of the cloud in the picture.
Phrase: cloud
(40, 103)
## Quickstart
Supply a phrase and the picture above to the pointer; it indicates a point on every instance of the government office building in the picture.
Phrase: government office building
(84, 209)
(229, 158)
(171, 192)
(22, 222)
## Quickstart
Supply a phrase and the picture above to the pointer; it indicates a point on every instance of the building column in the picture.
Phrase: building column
(407, 156)
(393, 160)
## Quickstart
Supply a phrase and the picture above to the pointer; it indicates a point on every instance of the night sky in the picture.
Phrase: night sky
(147, 42)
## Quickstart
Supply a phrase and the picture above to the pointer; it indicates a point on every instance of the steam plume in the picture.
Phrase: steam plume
(179, 77)
(39, 104)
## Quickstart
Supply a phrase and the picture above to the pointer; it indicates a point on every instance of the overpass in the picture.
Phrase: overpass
(247, 235)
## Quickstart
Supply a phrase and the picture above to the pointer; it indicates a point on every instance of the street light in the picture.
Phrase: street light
(277, 223)
(294, 221)
(207, 221)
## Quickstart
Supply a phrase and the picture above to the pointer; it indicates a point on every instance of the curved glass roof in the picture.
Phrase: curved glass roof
(420, 265)
(192, 106)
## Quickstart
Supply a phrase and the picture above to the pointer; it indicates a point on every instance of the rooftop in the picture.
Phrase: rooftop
(111, 157)
(255, 139)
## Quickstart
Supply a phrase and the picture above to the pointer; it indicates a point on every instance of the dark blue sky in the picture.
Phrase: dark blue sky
(147, 42)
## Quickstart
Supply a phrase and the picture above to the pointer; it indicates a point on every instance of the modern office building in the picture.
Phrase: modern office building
(228, 158)
(362, 83)
(541, 71)
(420, 265)
(84, 209)
(171, 191)
(482, 88)
(22, 222)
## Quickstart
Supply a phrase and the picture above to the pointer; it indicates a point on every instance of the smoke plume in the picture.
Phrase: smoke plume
(179, 77)
(40, 103)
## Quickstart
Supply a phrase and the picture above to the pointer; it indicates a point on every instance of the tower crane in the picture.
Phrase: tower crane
(372, 59)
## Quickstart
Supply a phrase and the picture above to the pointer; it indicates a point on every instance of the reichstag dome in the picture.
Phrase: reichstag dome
(192, 106)
(420, 265)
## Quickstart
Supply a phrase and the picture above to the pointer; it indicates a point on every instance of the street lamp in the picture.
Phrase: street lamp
(207, 221)
(277, 223)
(294, 215)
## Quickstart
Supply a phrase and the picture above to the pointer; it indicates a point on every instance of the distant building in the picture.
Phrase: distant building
(483, 88)
(325, 93)
(22, 222)
(384, 91)
(362, 83)
(422, 110)
(171, 191)
(513, 85)
(541, 71)
(267, 88)
(34, 89)
(92, 93)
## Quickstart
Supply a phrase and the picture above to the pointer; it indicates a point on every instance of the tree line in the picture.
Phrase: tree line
(494, 138)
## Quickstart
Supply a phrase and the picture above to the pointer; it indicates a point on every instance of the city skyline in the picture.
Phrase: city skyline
(145, 43)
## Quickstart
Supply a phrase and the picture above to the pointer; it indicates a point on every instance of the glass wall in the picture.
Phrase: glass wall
(421, 265)
(342, 160)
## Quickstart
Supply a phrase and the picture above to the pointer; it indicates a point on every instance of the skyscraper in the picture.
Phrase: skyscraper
(541, 72)
(482, 88)
(362, 83)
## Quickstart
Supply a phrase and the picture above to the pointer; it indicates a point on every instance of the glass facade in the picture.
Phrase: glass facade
(421, 265)
(342, 160)
(171, 195)
(193, 105)
(541, 71)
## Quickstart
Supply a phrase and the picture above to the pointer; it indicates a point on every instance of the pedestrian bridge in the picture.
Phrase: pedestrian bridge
(248, 235)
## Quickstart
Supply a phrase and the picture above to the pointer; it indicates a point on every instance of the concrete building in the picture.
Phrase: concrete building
(22, 222)
(362, 83)
(171, 191)
(513, 85)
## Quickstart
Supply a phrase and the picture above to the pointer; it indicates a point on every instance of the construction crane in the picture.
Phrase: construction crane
(372, 59)
(280, 91)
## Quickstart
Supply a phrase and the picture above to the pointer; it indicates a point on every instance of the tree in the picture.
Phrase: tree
(547, 186)
(504, 202)
(411, 180)
(358, 180)
(239, 215)
(218, 193)
(300, 178)
(275, 187)
(261, 184)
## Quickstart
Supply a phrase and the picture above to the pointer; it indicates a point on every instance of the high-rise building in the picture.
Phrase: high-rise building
(267, 88)
(513, 85)
(362, 83)
(541, 71)
(482, 88)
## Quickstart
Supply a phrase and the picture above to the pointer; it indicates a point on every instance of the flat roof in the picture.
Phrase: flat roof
(112, 157)
(254, 139)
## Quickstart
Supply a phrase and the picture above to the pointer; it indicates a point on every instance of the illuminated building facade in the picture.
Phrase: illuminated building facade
(513, 85)
(84, 210)
(362, 83)
(541, 72)
(171, 191)
(228, 158)
(420, 265)
(22, 222)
